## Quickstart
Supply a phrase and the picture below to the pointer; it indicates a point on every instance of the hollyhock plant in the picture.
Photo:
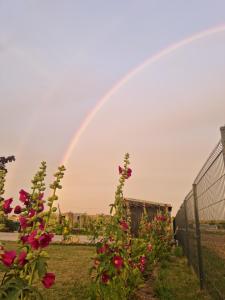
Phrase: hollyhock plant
(115, 275)
(23, 269)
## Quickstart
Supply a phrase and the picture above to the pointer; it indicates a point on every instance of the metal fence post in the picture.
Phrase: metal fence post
(198, 238)
(186, 233)
(222, 132)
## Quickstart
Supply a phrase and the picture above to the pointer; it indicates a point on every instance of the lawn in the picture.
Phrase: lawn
(71, 265)
(175, 280)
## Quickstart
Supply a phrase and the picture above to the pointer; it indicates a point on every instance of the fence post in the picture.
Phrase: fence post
(222, 133)
(198, 238)
(186, 232)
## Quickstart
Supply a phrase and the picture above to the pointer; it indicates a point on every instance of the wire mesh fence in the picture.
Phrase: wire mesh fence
(200, 222)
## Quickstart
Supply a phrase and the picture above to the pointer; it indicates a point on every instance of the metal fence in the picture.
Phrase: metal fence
(200, 222)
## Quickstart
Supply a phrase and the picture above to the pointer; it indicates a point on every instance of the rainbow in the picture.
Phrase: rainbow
(152, 59)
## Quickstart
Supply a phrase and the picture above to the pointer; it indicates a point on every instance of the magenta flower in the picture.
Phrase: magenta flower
(23, 222)
(24, 196)
(120, 170)
(6, 206)
(142, 260)
(48, 280)
(129, 171)
(8, 257)
(117, 261)
(33, 241)
(22, 258)
(17, 209)
(24, 238)
(105, 278)
(45, 239)
(31, 213)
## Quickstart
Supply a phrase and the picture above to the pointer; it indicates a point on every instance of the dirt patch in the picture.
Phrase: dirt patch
(147, 291)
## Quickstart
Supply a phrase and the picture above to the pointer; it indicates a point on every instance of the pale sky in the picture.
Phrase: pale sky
(59, 58)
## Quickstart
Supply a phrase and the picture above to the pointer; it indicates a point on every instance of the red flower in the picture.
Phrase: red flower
(33, 241)
(105, 277)
(22, 258)
(6, 206)
(45, 239)
(17, 209)
(123, 225)
(8, 257)
(24, 196)
(117, 261)
(48, 280)
(149, 247)
(23, 222)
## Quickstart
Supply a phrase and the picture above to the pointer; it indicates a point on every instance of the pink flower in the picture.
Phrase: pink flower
(117, 261)
(6, 206)
(8, 257)
(45, 239)
(17, 209)
(105, 277)
(48, 280)
(123, 225)
(22, 258)
(23, 222)
(24, 196)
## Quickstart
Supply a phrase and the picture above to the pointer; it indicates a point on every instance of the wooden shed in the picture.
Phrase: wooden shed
(136, 207)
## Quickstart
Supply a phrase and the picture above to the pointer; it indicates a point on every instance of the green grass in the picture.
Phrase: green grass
(214, 270)
(176, 281)
(71, 265)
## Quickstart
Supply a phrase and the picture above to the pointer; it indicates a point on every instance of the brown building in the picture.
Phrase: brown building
(136, 208)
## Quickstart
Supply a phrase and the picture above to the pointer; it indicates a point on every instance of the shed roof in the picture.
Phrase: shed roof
(138, 202)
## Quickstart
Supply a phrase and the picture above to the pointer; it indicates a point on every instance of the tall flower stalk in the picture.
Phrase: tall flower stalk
(115, 275)
(24, 267)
